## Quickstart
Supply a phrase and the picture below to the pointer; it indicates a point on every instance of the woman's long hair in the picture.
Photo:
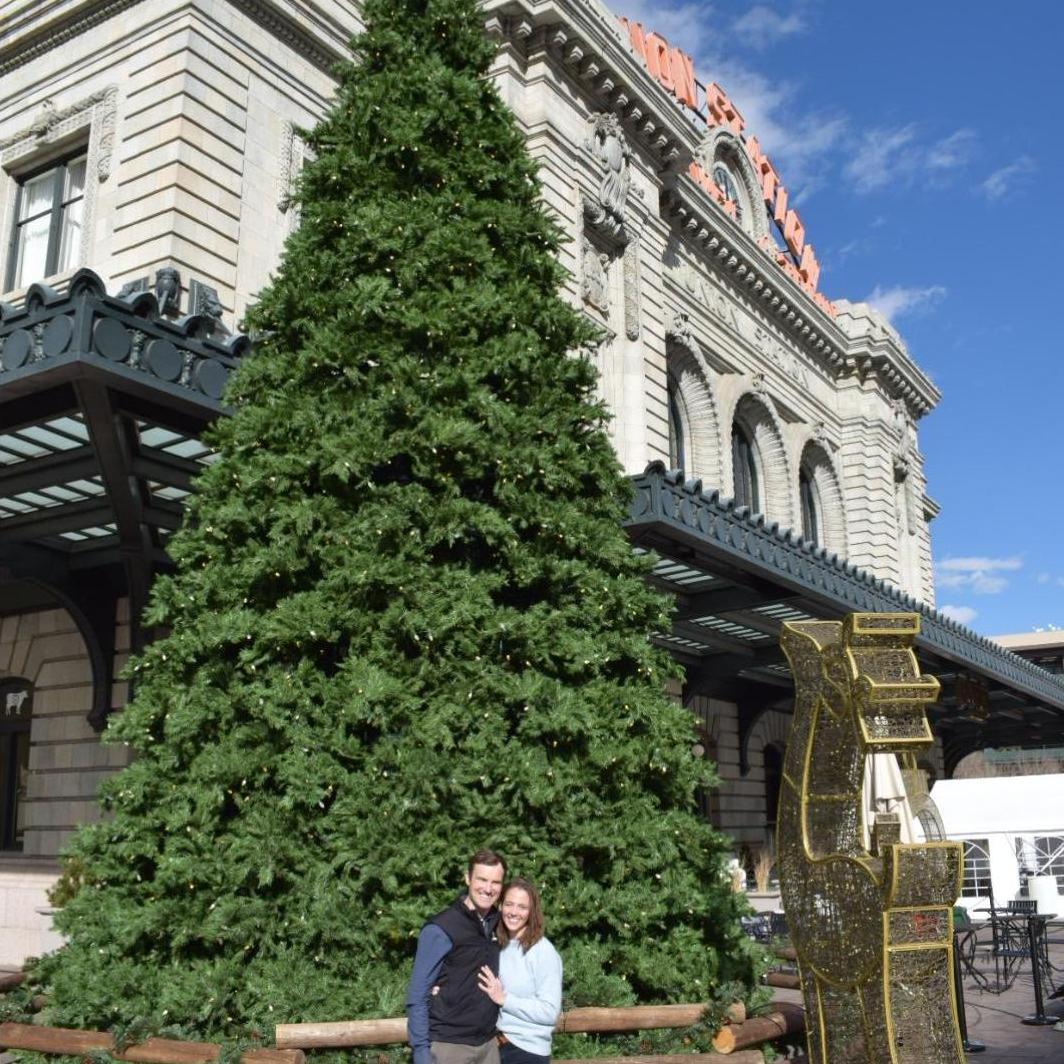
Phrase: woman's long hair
(532, 932)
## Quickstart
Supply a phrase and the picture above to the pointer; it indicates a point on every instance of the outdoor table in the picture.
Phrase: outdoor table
(1018, 936)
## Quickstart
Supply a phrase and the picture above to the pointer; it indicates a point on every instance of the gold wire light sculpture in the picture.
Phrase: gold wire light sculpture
(872, 927)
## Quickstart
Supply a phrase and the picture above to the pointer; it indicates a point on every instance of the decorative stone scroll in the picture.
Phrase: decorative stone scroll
(872, 926)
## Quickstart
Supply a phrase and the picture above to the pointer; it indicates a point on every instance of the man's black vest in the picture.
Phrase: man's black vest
(461, 1012)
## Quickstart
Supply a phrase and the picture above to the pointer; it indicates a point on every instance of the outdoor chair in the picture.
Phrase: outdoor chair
(1022, 906)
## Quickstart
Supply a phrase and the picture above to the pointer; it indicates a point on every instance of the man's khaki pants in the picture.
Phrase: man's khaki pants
(453, 1053)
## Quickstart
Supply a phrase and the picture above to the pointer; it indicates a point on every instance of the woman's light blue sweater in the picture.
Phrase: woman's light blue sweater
(533, 985)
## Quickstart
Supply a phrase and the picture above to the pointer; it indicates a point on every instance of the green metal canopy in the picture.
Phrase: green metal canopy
(102, 400)
(736, 577)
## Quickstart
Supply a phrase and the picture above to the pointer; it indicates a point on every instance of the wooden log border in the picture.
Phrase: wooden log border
(66, 1040)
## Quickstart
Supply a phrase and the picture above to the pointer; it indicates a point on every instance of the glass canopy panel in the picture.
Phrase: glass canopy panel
(730, 628)
(11, 505)
(71, 426)
(780, 612)
(35, 500)
(166, 491)
(50, 437)
(20, 448)
(94, 486)
(682, 575)
(53, 441)
(680, 641)
(174, 443)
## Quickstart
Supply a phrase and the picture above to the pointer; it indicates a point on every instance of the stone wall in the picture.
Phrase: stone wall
(67, 763)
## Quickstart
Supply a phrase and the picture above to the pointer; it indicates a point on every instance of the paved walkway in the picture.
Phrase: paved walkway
(995, 1019)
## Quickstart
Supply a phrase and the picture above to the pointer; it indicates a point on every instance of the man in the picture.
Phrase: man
(450, 1020)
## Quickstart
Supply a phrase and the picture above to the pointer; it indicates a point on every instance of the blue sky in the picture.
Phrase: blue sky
(923, 145)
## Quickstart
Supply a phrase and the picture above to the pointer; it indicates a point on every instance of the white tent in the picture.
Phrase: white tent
(1011, 825)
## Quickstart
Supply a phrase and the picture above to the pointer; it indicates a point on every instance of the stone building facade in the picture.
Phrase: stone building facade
(156, 142)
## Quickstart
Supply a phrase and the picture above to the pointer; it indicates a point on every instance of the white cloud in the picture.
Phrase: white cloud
(1043, 578)
(761, 27)
(883, 155)
(898, 301)
(960, 614)
(955, 150)
(895, 157)
(1008, 179)
(980, 575)
(979, 563)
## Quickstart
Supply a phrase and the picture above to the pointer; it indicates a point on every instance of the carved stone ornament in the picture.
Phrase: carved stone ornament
(631, 289)
(44, 120)
(132, 288)
(901, 468)
(291, 158)
(203, 299)
(759, 384)
(606, 211)
(95, 113)
(595, 277)
(168, 290)
(680, 333)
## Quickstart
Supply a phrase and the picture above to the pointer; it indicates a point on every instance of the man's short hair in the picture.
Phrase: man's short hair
(486, 857)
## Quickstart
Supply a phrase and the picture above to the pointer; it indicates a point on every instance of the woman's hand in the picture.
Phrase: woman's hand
(488, 981)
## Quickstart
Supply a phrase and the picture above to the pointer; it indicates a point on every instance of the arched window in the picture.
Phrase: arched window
(821, 511)
(677, 450)
(810, 507)
(16, 707)
(744, 469)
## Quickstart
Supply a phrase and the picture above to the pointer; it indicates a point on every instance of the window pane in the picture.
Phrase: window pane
(810, 518)
(75, 178)
(976, 869)
(744, 470)
(677, 458)
(32, 252)
(36, 196)
(70, 239)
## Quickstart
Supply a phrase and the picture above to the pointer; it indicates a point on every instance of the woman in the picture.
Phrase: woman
(528, 988)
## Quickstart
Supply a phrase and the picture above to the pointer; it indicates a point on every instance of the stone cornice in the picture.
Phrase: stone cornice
(586, 39)
(874, 347)
(41, 32)
(707, 227)
(706, 521)
(292, 33)
(862, 351)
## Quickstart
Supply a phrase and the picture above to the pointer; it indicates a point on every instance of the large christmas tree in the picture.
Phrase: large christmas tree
(404, 620)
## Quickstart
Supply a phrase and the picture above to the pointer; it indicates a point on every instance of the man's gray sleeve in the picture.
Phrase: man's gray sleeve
(433, 945)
